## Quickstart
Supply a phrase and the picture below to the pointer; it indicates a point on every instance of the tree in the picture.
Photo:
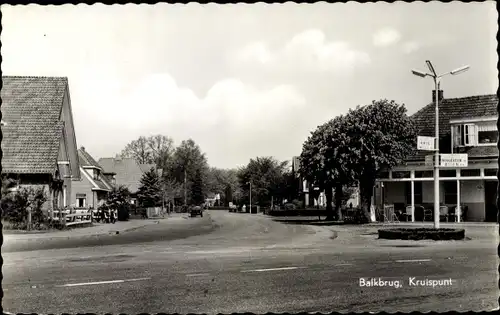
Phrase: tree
(186, 160)
(156, 149)
(228, 195)
(218, 181)
(380, 136)
(266, 175)
(119, 198)
(322, 162)
(171, 189)
(198, 196)
(150, 190)
(161, 148)
(139, 151)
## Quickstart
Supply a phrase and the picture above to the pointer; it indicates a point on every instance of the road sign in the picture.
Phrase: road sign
(426, 143)
(429, 160)
(453, 160)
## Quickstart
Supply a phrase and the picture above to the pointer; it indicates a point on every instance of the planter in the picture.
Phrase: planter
(443, 234)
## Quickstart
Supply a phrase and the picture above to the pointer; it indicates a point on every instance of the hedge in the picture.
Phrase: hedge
(422, 234)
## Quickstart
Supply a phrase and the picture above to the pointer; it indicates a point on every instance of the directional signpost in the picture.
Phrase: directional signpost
(429, 160)
(453, 160)
(426, 143)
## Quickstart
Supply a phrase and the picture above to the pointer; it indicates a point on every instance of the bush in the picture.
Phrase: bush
(123, 214)
(290, 206)
(16, 205)
(422, 234)
(297, 203)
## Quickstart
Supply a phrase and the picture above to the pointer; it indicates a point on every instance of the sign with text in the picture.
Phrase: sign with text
(429, 160)
(453, 160)
(426, 143)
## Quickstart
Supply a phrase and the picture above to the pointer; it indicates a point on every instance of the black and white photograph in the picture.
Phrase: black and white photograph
(249, 158)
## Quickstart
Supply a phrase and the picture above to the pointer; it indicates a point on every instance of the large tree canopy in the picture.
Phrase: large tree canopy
(266, 175)
(155, 149)
(323, 161)
(223, 182)
(380, 136)
(186, 160)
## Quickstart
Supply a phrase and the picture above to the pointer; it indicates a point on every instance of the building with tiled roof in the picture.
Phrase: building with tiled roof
(91, 190)
(467, 125)
(126, 171)
(39, 143)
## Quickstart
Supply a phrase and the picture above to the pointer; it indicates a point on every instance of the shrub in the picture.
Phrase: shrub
(16, 205)
(290, 206)
(123, 213)
(297, 203)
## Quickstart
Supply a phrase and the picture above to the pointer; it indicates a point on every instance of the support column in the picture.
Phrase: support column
(64, 197)
(458, 211)
(412, 176)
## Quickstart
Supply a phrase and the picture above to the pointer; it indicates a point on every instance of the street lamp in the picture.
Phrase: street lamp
(250, 183)
(437, 84)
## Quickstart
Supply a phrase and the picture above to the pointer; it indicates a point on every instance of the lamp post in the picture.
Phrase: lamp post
(250, 183)
(437, 84)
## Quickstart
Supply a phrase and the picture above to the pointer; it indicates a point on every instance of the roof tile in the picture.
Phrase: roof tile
(456, 108)
(31, 108)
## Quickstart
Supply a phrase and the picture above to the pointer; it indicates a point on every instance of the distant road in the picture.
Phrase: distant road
(250, 263)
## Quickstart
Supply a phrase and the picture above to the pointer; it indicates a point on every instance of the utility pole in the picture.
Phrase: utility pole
(437, 83)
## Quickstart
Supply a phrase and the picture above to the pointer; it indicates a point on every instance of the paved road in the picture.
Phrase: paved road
(249, 263)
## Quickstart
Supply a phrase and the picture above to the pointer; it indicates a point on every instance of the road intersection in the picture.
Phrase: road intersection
(249, 263)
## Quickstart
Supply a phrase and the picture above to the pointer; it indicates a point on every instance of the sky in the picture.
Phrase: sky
(244, 80)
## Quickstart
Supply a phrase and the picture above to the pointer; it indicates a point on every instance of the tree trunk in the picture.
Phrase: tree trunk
(185, 188)
(366, 192)
(329, 200)
(338, 200)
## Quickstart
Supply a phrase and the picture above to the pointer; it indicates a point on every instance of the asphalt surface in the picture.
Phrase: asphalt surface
(250, 263)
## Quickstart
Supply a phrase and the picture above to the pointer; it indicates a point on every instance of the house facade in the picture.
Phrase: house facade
(39, 143)
(92, 188)
(467, 125)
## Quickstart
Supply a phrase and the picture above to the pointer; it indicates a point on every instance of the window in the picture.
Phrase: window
(470, 172)
(417, 192)
(487, 137)
(450, 192)
(97, 175)
(465, 135)
(447, 173)
(423, 174)
(402, 174)
(490, 172)
(81, 200)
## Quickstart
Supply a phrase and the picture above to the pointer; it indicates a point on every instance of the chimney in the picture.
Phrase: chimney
(440, 95)
(82, 148)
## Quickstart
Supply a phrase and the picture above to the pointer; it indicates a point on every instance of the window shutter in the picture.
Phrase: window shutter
(472, 135)
(456, 136)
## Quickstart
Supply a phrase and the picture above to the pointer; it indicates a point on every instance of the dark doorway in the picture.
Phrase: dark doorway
(490, 201)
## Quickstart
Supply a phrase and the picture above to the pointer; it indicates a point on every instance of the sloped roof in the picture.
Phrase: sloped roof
(86, 162)
(456, 108)
(128, 172)
(86, 159)
(31, 108)
(146, 167)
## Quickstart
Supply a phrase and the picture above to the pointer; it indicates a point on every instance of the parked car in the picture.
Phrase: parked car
(196, 210)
